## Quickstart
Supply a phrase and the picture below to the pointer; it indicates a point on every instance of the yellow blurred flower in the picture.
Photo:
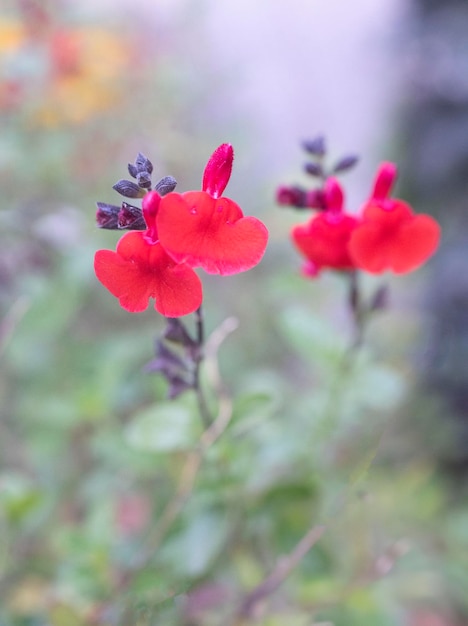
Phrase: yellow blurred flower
(11, 36)
(64, 75)
(88, 67)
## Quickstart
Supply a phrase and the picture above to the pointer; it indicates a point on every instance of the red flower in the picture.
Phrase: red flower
(204, 230)
(141, 269)
(324, 239)
(391, 236)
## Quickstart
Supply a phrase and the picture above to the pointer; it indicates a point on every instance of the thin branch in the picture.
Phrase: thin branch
(278, 575)
(11, 320)
(194, 459)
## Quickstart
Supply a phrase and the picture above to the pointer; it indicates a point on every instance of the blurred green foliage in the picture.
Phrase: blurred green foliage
(111, 511)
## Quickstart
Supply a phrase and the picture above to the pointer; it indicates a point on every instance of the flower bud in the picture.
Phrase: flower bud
(218, 170)
(315, 146)
(291, 196)
(132, 170)
(144, 180)
(143, 164)
(107, 216)
(128, 189)
(314, 169)
(334, 196)
(315, 199)
(131, 218)
(384, 181)
(165, 185)
(346, 163)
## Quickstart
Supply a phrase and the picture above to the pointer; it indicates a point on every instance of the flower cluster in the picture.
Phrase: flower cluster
(174, 233)
(384, 235)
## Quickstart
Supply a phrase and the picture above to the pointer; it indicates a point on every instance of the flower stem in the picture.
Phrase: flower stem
(358, 310)
(203, 408)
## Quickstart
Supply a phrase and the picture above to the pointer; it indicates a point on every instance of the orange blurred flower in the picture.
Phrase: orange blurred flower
(63, 74)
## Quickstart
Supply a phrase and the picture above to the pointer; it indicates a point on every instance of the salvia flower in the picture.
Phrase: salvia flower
(141, 269)
(207, 230)
(179, 232)
(386, 235)
(390, 235)
(324, 239)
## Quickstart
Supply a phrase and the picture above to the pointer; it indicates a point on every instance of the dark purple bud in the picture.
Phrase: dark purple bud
(168, 363)
(315, 146)
(165, 185)
(177, 386)
(128, 189)
(143, 164)
(346, 163)
(315, 199)
(177, 333)
(314, 169)
(107, 216)
(380, 299)
(132, 170)
(144, 180)
(291, 196)
(130, 218)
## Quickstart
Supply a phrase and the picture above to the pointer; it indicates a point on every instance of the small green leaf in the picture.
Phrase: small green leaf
(199, 543)
(18, 497)
(164, 427)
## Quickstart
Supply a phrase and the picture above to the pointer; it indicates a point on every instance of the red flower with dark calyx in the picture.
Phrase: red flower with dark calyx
(324, 239)
(391, 236)
(204, 230)
(141, 269)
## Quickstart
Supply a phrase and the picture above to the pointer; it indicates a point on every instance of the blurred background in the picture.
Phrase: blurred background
(381, 450)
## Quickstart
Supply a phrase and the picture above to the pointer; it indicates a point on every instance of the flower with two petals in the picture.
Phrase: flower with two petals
(390, 235)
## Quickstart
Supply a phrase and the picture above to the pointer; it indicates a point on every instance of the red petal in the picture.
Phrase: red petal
(139, 270)
(390, 212)
(218, 170)
(385, 244)
(324, 240)
(210, 233)
(122, 279)
(369, 248)
(417, 241)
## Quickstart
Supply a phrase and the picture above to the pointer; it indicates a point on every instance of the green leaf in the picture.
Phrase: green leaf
(253, 408)
(193, 549)
(164, 427)
(64, 615)
(18, 497)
